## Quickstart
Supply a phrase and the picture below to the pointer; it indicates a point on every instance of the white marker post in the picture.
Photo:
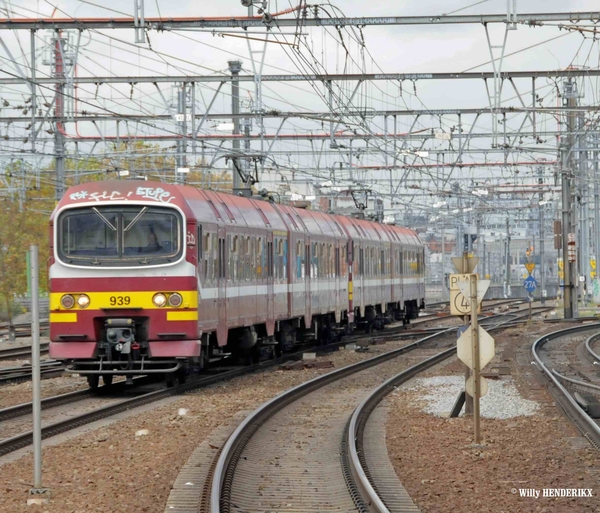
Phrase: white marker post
(38, 494)
(476, 369)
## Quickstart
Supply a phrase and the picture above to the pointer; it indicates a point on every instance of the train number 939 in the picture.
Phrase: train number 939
(120, 300)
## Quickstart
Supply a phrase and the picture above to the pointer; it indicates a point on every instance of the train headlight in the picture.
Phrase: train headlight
(175, 300)
(159, 299)
(83, 301)
(67, 301)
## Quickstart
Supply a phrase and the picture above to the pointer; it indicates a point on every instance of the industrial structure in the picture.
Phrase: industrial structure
(486, 159)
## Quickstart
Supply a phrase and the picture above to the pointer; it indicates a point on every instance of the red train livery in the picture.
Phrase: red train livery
(152, 278)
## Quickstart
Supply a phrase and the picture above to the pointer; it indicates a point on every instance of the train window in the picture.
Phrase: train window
(259, 257)
(372, 262)
(206, 256)
(199, 246)
(383, 264)
(300, 271)
(284, 259)
(247, 258)
(307, 259)
(124, 236)
(401, 262)
(361, 262)
(337, 263)
(270, 259)
(214, 250)
(221, 259)
(232, 260)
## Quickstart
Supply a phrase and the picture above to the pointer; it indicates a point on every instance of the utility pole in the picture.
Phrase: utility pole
(570, 299)
(596, 206)
(59, 112)
(182, 141)
(443, 261)
(584, 218)
(238, 185)
(507, 278)
(541, 207)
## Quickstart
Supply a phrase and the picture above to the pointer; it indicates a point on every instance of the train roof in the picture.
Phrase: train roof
(213, 207)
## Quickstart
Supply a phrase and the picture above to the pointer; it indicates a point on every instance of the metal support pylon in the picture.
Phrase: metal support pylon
(139, 21)
(497, 53)
(257, 53)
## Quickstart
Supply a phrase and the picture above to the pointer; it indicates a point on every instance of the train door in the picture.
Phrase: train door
(270, 288)
(383, 270)
(350, 265)
(222, 328)
(394, 272)
(360, 282)
(401, 267)
(307, 283)
(338, 285)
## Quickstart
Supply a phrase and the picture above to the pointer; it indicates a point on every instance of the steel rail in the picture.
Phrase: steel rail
(24, 439)
(588, 428)
(223, 473)
(362, 413)
(588, 346)
(49, 369)
(58, 400)
(9, 354)
(359, 419)
(232, 450)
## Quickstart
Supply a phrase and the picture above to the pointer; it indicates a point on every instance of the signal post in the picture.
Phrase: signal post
(475, 347)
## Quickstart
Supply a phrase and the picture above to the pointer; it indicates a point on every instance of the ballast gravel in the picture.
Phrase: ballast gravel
(502, 401)
(114, 471)
(535, 449)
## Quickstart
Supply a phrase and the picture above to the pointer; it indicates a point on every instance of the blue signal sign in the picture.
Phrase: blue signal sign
(530, 284)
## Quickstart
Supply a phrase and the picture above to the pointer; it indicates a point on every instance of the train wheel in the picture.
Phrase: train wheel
(93, 381)
(107, 379)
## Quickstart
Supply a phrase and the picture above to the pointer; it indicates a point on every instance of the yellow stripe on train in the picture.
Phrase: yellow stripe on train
(174, 315)
(63, 317)
(122, 300)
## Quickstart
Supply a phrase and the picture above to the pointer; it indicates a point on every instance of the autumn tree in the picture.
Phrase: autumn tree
(20, 226)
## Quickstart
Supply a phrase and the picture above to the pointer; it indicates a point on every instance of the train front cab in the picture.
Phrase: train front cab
(124, 297)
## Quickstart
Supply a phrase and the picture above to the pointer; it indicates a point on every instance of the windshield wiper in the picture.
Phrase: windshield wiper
(135, 219)
(106, 221)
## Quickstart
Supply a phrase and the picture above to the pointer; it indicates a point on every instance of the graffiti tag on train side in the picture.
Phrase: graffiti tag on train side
(155, 193)
(191, 240)
(151, 193)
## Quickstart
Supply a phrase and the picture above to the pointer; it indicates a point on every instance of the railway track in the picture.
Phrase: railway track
(23, 439)
(21, 352)
(575, 385)
(49, 369)
(285, 456)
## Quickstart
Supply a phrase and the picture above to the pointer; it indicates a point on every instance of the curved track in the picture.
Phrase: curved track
(285, 455)
(565, 388)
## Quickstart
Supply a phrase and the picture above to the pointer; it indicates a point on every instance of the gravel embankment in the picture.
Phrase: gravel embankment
(537, 449)
(113, 471)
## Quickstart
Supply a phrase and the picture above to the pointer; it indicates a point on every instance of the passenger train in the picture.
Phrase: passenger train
(158, 278)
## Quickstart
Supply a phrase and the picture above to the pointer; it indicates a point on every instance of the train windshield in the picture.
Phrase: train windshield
(128, 236)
